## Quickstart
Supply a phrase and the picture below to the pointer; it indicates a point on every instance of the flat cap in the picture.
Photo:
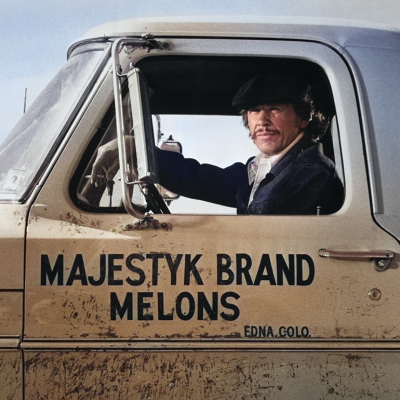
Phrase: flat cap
(271, 88)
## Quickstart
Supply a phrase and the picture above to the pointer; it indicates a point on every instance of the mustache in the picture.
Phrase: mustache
(263, 131)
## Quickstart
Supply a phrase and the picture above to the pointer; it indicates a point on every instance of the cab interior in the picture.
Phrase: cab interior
(194, 86)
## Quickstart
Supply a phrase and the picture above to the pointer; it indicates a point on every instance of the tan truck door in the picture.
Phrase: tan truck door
(215, 284)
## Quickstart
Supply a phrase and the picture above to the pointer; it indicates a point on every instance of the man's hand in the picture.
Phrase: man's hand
(106, 164)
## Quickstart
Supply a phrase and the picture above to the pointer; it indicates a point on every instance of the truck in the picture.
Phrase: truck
(121, 290)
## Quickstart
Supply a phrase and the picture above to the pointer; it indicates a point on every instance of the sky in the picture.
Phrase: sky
(35, 34)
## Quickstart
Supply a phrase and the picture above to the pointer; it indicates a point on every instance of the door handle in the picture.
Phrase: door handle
(380, 258)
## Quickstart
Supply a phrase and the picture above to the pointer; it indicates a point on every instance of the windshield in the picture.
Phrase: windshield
(25, 151)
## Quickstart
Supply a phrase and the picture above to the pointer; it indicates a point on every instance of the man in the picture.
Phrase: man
(289, 176)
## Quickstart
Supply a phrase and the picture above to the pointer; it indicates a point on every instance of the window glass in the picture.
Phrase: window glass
(219, 140)
(24, 152)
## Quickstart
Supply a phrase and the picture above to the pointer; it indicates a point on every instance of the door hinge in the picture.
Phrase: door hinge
(148, 43)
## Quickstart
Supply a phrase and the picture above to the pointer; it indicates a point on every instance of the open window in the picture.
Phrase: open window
(191, 96)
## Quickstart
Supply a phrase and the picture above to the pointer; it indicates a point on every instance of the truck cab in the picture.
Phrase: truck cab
(115, 288)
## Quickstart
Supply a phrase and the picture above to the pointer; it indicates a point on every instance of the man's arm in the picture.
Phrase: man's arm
(189, 178)
(186, 177)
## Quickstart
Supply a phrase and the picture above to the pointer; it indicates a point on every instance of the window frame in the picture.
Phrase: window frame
(332, 63)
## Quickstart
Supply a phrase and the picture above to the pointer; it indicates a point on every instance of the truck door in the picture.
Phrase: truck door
(203, 301)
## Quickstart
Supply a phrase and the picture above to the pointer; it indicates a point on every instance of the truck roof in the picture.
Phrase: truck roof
(336, 30)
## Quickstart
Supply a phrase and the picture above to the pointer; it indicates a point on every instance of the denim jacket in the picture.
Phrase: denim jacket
(303, 182)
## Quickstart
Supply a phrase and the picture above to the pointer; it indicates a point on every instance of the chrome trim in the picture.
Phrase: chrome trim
(216, 345)
(120, 126)
(10, 342)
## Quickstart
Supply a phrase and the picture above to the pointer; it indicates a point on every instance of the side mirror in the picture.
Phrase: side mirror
(146, 173)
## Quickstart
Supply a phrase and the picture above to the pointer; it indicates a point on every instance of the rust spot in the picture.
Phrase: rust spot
(353, 357)
(110, 333)
(95, 224)
(176, 336)
(71, 219)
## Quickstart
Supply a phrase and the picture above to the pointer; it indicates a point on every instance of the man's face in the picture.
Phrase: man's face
(274, 126)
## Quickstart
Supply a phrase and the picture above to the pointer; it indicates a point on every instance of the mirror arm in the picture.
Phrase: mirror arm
(121, 129)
